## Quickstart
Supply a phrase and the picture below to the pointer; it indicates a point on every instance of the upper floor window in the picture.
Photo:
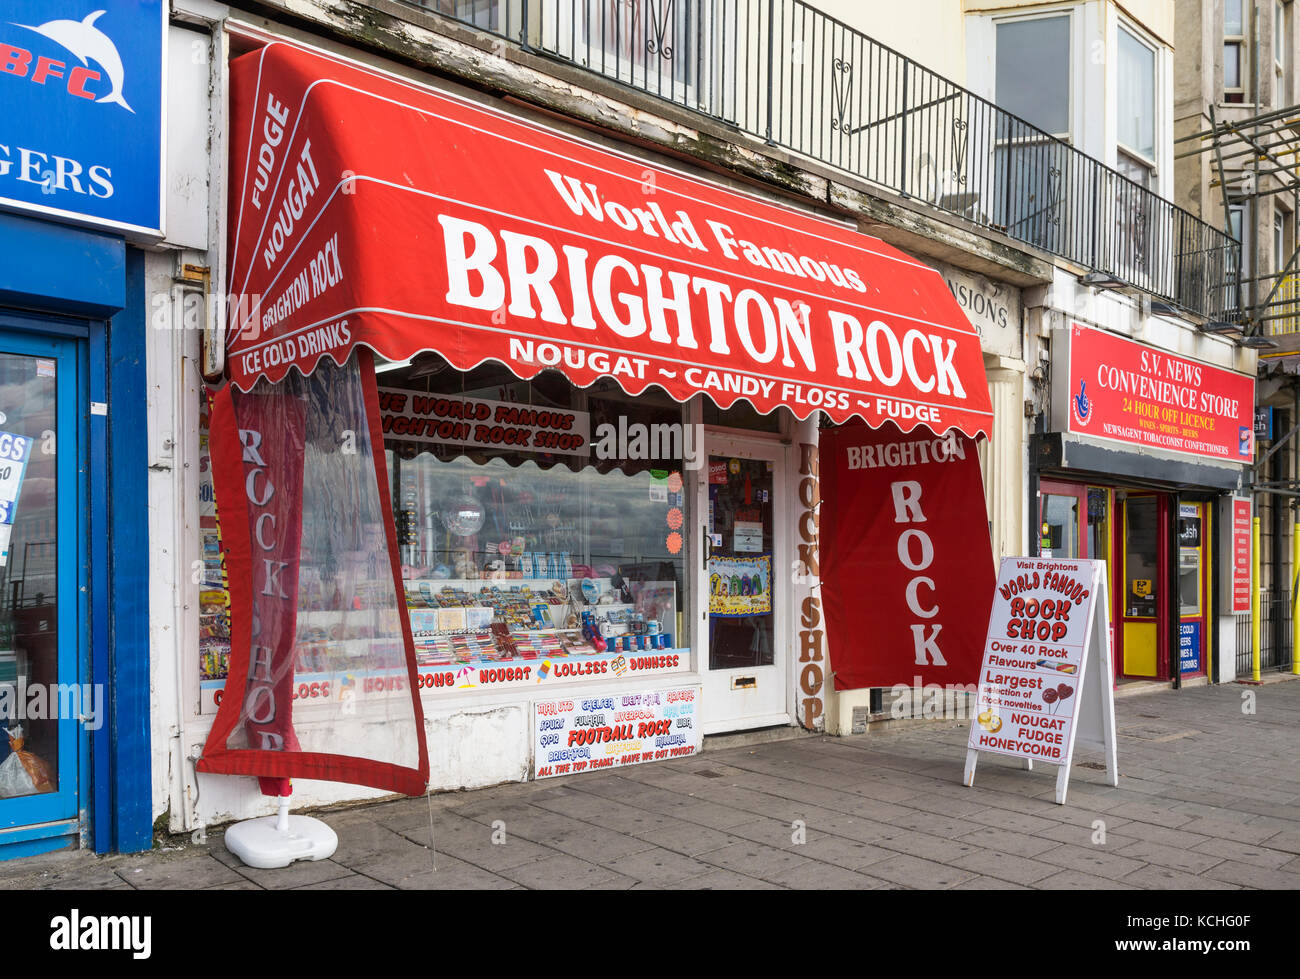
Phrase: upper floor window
(1234, 51)
(1136, 102)
(1033, 71)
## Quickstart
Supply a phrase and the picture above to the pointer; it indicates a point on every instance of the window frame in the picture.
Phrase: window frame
(1136, 155)
(1238, 94)
(1068, 14)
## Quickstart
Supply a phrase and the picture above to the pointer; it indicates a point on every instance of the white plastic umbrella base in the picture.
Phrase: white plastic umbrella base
(271, 842)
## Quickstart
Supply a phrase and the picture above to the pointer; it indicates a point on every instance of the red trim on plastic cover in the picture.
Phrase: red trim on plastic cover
(227, 475)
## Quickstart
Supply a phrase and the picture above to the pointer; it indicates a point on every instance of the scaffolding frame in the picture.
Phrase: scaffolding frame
(1254, 158)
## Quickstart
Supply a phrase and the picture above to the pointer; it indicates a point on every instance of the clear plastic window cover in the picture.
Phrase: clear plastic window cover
(327, 665)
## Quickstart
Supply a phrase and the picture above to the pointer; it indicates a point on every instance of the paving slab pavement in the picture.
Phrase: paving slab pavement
(1209, 797)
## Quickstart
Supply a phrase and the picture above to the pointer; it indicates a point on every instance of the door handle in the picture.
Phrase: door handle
(705, 547)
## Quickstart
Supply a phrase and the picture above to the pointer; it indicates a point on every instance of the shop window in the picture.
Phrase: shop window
(741, 415)
(538, 524)
(1141, 546)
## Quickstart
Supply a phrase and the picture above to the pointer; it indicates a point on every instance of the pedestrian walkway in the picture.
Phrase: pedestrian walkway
(1207, 799)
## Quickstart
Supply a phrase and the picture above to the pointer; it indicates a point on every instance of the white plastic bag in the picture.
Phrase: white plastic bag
(22, 773)
(14, 780)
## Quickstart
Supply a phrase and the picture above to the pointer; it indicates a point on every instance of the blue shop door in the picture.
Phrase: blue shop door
(43, 700)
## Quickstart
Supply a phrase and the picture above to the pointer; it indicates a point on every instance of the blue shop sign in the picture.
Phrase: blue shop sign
(81, 132)
(1189, 647)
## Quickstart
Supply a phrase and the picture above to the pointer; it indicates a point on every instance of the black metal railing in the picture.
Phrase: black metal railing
(1274, 634)
(785, 72)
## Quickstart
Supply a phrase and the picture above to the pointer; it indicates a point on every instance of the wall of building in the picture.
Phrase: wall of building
(932, 32)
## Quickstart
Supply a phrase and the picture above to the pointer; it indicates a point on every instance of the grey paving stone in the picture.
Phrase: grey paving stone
(593, 843)
(560, 872)
(472, 842)
(357, 882)
(1228, 829)
(1005, 866)
(755, 860)
(1146, 812)
(191, 872)
(1249, 875)
(1008, 841)
(1083, 836)
(988, 884)
(658, 866)
(1009, 819)
(839, 851)
(1097, 861)
(725, 880)
(452, 874)
(689, 839)
(1136, 830)
(1290, 842)
(1173, 857)
(1074, 880)
(924, 845)
(914, 872)
(716, 815)
(1157, 878)
(823, 877)
(1260, 856)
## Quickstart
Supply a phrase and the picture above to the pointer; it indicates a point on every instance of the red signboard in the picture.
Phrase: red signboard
(1129, 392)
(369, 210)
(1241, 562)
(907, 576)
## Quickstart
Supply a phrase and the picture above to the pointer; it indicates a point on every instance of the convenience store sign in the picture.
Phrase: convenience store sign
(1117, 389)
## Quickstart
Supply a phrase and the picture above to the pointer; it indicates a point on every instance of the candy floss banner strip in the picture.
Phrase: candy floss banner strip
(373, 211)
(589, 733)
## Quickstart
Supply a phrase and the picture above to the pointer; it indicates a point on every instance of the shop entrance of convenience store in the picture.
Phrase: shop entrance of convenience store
(1157, 553)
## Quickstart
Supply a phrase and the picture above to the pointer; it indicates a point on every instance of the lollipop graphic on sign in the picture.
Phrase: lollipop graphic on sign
(1054, 697)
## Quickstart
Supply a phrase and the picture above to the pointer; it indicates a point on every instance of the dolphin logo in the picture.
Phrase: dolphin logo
(88, 42)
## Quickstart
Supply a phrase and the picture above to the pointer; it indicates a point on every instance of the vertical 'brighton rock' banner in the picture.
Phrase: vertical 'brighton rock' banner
(1046, 676)
(906, 562)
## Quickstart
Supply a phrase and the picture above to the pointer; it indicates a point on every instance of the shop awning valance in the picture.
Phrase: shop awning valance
(370, 210)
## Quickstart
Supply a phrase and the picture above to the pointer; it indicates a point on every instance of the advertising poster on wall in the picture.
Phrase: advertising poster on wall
(1241, 556)
(586, 734)
(740, 586)
(15, 451)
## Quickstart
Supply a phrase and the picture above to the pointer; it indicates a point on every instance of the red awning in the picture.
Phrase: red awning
(370, 210)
